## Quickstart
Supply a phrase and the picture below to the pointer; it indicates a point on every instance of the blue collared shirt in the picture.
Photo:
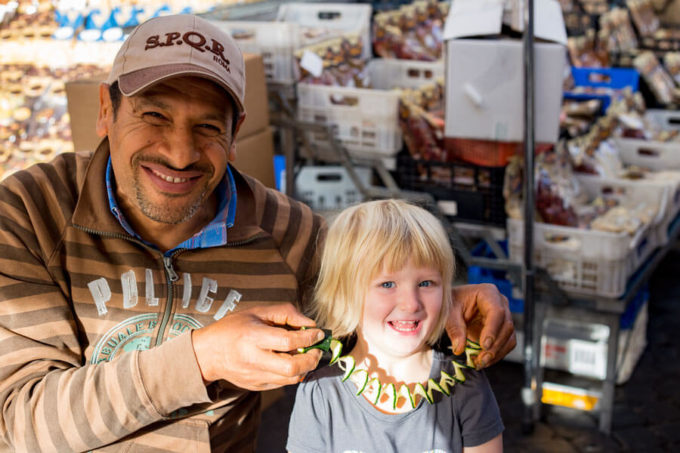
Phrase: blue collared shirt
(213, 234)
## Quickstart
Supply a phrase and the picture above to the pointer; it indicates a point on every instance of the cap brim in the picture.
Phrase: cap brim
(134, 82)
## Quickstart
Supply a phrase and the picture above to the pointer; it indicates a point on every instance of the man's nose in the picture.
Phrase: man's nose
(181, 147)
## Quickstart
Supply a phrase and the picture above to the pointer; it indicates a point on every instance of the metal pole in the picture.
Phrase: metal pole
(529, 391)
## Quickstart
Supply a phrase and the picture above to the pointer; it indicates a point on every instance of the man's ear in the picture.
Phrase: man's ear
(105, 115)
(232, 148)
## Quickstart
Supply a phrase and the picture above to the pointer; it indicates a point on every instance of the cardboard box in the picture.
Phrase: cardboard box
(485, 77)
(83, 105)
(82, 97)
(255, 156)
(256, 101)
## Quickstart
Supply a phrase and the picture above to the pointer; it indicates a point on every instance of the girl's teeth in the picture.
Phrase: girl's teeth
(169, 178)
(405, 325)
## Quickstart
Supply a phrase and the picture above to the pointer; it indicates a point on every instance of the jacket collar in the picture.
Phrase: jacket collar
(92, 209)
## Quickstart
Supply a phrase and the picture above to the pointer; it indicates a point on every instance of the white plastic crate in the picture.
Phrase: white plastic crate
(365, 120)
(582, 261)
(593, 262)
(664, 195)
(330, 188)
(663, 119)
(275, 41)
(649, 154)
(339, 17)
(297, 25)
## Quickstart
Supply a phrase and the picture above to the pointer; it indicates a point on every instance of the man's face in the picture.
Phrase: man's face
(170, 146)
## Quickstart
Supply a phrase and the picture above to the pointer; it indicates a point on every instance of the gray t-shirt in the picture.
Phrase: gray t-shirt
(329, 417)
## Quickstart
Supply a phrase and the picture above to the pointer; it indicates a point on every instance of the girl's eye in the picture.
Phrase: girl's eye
(426, 283)
(387, 284)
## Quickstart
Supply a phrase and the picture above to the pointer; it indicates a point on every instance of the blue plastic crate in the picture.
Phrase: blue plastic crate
(615, 79)
(628, 317)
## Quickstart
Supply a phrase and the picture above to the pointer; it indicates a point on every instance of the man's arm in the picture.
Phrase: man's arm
(51, 399)
(480, 312)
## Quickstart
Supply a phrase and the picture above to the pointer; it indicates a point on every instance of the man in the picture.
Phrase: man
(148, 288)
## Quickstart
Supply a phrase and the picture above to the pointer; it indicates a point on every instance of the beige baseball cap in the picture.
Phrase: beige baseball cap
(179, 45)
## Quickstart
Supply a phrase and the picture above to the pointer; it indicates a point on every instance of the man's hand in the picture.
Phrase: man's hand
(481, 313)
(254, 350)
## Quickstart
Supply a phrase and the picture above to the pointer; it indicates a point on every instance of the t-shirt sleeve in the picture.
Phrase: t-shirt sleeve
(478, 411)
(309, 420)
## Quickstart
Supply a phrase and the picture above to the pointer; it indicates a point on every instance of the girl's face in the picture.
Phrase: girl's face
(401, 309)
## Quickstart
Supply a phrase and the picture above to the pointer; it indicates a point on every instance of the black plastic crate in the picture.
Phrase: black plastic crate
(467, 192)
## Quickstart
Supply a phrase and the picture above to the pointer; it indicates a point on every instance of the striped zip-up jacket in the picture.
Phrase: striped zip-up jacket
(95, 350)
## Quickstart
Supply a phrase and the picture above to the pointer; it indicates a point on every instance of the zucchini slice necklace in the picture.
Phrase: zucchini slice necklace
(373, 389)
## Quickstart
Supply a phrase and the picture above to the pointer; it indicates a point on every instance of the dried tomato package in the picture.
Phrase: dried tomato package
(556, 189)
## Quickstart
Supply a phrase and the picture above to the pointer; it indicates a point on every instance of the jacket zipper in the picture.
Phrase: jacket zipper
(170, 277)
(170, 274)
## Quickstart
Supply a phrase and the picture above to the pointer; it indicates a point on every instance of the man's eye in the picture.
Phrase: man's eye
(153, 117)
(209, 130)
(387, 284)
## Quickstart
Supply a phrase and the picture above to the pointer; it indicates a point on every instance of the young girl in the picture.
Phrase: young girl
(385, 286)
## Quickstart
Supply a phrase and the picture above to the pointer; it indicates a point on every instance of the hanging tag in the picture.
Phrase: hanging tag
(312, 63)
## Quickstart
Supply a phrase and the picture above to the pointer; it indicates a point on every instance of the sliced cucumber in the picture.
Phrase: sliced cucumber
(336, 350)
(373, 390)
(420, 390)
(347, 364)
(324, 345)
(458, 374)
(391, 391)
(472, 344)
(406, 393)
(433, 385)
(446, 382)
(360, 379)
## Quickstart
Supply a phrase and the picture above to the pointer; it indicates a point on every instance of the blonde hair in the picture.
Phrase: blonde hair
(362, 240)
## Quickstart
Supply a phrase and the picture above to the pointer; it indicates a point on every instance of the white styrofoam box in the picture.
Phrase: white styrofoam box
(275, 41)
(581, 348)
(330, 188)
(365, 120)
(583, 261)
(341, 17)
(485, 89)
(649, 154)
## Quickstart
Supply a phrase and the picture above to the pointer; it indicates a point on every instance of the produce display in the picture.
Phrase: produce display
(334, 62)
(421, 118)
(660, 82)
(413, 32)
